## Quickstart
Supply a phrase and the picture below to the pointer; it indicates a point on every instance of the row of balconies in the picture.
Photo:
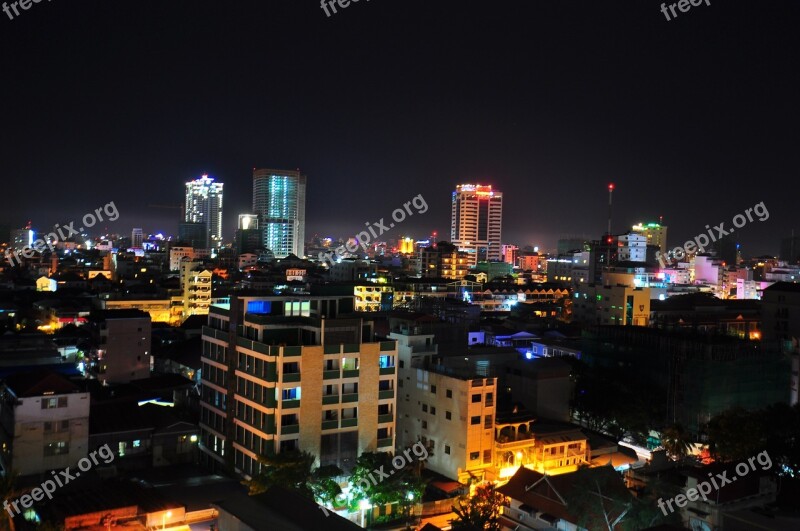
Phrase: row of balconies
(346, 398)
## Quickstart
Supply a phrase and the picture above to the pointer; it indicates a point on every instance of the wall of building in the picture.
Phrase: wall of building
(33, 440)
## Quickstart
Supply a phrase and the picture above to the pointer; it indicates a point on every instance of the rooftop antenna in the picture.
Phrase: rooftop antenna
(609, 240)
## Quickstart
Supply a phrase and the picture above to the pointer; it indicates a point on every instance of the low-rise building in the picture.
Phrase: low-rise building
(45, 423)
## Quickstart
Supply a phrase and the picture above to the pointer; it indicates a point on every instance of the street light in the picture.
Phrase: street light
(164, 517)
(364, 505)
(408, 509)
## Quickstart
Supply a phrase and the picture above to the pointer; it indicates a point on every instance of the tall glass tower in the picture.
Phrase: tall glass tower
(204, 205)
(279, 199)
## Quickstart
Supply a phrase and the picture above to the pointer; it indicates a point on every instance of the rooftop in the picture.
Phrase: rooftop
(39, 383)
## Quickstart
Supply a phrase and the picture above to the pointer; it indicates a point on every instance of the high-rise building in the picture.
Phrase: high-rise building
(292, 373)
(656, 234)
(204, 205)
(137, 238)
(23, 238)
(476, 222)
(279, 199)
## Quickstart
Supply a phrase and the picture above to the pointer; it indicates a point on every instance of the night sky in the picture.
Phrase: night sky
(694, 119)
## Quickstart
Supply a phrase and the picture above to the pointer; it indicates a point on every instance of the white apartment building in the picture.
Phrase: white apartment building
(449, 410)
(632, 247)
(45, 421)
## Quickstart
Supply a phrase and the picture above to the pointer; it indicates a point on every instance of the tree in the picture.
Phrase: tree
(292, 470)
(376, 479)
(676, 441)
(481, 511)
(736, 434)
(598, 497)
(324, 486)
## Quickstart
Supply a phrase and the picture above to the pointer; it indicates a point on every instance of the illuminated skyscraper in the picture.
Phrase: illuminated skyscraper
(477, 222)
(204, 205)
(279, 199)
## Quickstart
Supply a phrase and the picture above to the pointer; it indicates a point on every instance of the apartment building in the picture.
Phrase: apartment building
(124, 345)
(45, 423)
(196, 286)
(294, 373)
(450, 409)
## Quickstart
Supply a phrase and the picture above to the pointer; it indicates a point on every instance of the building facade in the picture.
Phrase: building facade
(124, 338)
(285, 373)
(477, 221)
(45, 421)
(655, 233)
(451, 412)
(279, 199)
(204, 205)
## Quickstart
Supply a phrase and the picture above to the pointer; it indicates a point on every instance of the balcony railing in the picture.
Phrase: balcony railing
(383, 419)
(349, 397)
(330, 424)
(290, 404)
(349, 423)
(350, 373)
(386, 443)
(291, 377)
(515, 445)
(330, 399)
(331, 375)
(290, 429)
(388, 371)
(385, 394)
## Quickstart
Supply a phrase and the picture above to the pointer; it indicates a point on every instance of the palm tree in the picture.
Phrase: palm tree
(676, 441)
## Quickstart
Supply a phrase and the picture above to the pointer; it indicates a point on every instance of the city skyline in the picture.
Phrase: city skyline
(549, 121)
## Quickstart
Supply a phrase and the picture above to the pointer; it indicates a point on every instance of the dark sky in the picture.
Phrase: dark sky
(695, 119)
